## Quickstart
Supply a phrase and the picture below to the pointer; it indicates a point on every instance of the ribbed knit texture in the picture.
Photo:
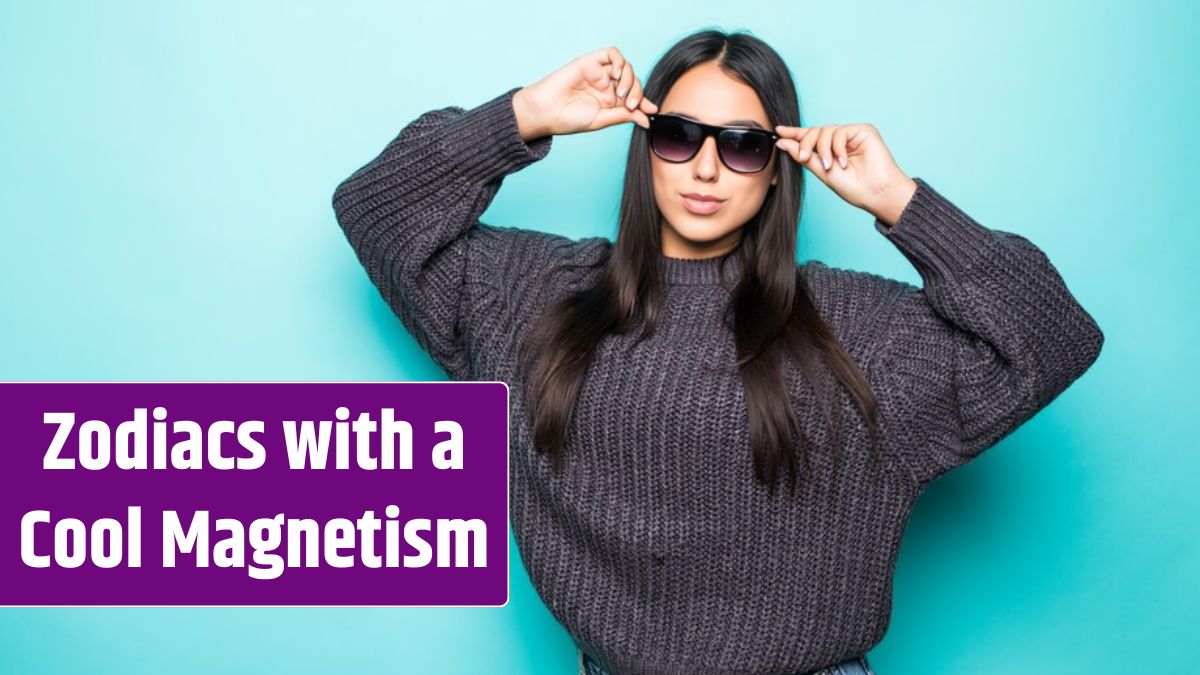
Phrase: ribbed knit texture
(655, 547)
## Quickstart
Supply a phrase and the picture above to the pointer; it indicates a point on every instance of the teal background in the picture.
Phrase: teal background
(166, 173)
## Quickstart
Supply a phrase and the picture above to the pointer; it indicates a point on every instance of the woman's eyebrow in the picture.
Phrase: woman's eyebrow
(730, 123)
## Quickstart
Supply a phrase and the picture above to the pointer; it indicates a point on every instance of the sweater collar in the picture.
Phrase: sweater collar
(701, 271)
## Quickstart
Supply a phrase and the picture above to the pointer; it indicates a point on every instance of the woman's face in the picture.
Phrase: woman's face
(706, 94)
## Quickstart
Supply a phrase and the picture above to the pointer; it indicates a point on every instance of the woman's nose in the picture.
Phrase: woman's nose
(706, 159)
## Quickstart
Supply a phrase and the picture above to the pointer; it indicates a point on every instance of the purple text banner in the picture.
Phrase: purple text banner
(254, 493)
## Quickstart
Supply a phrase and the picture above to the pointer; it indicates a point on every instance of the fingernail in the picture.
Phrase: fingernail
(843, 161)
(825, 162)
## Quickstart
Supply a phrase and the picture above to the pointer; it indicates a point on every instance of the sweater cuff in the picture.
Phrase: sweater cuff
(936, 236)
(484, 143)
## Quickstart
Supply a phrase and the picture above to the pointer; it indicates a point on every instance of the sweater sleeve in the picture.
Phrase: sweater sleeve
(992, 337)
(411, 216)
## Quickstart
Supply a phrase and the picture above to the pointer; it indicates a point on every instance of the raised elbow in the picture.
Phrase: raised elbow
(1091, 342)
(341, 202)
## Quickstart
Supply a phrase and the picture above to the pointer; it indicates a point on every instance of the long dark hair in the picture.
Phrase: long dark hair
(772, 312)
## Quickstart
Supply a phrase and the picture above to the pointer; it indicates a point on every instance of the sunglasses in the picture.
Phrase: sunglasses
(678, 139)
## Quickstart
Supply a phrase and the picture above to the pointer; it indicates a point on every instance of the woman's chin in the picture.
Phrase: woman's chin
(700, 233)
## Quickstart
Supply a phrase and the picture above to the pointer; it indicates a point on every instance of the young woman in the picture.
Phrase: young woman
(665, 384)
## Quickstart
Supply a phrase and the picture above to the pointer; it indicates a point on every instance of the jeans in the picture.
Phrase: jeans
(853, 666)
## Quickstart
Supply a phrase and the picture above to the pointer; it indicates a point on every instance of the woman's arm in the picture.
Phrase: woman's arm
(992, 338)
(411, 215)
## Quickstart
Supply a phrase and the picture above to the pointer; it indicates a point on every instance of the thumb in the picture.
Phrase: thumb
(619, 115)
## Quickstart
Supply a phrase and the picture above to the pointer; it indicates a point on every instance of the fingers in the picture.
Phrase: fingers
(614, 56)
(626, 88)
(808, 143)
(790, 140)
(839, 146)
(859, 134)
(599, 77)
(618, 78)
(636, 103)
(625, 83)
(828, 143)
(635, 93)
(825, 146)
(811, 160)
(645, 107)
(607, 117)
(794, 133)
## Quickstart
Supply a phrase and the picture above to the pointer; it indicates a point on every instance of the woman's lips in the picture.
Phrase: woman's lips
(699, 206)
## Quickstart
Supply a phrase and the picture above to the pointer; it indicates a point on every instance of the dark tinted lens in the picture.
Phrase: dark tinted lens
(745, 151)
(673, 139)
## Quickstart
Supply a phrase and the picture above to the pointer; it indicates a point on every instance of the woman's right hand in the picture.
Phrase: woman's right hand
(594, 91)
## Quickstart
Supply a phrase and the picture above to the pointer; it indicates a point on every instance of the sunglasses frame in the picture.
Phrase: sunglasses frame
(714, 131)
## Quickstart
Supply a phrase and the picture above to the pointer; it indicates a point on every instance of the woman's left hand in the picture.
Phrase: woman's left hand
(853, 161)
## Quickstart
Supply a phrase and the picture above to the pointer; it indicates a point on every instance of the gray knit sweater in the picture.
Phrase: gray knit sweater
(655, 547)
